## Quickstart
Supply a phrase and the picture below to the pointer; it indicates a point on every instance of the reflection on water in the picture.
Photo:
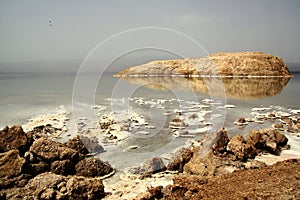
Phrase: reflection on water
(236, 88)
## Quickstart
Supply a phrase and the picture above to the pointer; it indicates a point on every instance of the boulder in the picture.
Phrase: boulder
(267, 139)
(85, 145)
(150, 166)
(240, 148)
(49, 151)
(179, 159)
(219, 144)
(206, 165)
(81, 188)
(14, 138)
(38, 168)
(92, 167)
(57, 187)
(77, 144)
(63, 167)
(11, 164)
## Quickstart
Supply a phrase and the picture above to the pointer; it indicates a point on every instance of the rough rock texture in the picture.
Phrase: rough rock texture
(84, 188)
(240, 148)
(210, 165)
(266, 139)
(85, 145)
(219, 144)
(63, 167)
(14, 138)
(11, 164)
(92, 167)
(53, 186)
(77, 144)
(226, 64)
(150, 166)
(279, 181)
(179, 159)
(49, 151)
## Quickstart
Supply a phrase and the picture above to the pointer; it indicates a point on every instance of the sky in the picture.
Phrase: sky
(52, 31)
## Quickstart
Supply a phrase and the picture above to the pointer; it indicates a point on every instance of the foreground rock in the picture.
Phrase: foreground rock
(150, 166)
(225, 64)
(11, 164)
(53, 186)
(14, 138)
(39, 171)
(92, 167)
(280, 181)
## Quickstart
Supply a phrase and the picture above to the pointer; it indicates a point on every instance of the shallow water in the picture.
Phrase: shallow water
(26, 96)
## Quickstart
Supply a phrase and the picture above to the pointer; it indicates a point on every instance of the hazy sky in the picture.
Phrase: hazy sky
(64, 30)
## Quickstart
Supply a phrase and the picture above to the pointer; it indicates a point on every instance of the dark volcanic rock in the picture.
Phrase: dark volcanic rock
(179, 159)
(92, 167)
(14, 138)
(49, 151)
(240, 148)
(11, 164)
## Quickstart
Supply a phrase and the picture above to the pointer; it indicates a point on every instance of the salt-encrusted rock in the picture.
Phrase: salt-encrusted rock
(226, 64)
(179, 159)
(49, 151)
(11, 164)
(14, 138)
(92, 167)
(240, 121)
(240, 148)
(220, 141)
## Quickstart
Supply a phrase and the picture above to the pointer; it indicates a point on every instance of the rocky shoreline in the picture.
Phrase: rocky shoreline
(33, 166)
(41, 160)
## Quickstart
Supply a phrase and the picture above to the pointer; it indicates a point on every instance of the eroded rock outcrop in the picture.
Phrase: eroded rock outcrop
(224, 64)
(40, 171)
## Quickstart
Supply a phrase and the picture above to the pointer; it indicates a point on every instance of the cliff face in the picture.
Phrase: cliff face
(223, 64)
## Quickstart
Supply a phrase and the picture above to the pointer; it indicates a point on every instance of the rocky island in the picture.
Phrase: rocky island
(245, 64)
